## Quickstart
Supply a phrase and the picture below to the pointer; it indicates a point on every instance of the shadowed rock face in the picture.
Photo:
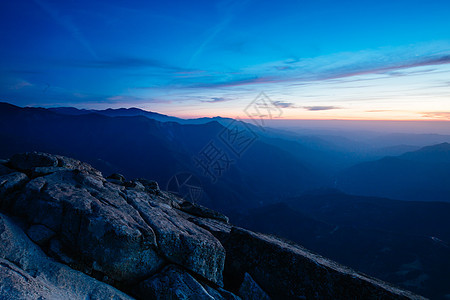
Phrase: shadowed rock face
(27, 273)
(303, 275)
(174, 283)
(250, 290)
(148, 243)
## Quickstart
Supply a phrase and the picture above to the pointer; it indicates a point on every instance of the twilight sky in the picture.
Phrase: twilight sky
(315, 59)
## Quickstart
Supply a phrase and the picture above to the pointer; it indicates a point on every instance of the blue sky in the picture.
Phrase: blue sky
(315, 59)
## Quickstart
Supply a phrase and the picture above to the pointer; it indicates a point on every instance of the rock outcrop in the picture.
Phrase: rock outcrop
(68, 233)
(27, 273)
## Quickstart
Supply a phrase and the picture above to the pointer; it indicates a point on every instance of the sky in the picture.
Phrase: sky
(314, 59)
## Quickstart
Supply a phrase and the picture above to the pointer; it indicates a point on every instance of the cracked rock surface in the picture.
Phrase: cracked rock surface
(69, 233)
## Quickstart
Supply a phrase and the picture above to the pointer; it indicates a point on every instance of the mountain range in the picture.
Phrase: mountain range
(141, 147)
(342, 198)
(422, 175)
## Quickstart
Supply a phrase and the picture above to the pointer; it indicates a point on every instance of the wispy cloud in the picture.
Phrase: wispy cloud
(216, 100)
(319, 108)
(437, 115)
(9, 83)
(378, 110)
(20, 85)
(390, 69)
(343, 65)
(346, 66)
(285, 104)
(233, 83)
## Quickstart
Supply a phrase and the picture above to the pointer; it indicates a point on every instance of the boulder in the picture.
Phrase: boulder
(94, 222)
(74, 164)
(151, 186)
(219, 229)
(10, 183)
(116, 178)
(123, 232)
(29, 160)
(42, 171)
(201, 211)
(27, 273)
(181, 241)
(134, 185)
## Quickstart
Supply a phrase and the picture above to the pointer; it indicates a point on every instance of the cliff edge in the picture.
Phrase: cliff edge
(69, 233)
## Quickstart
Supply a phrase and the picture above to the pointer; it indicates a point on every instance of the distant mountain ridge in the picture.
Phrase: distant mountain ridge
(439, 153)
(134, 112)
(418, 175)
(120, 112)
(422, 175)
(138, 146)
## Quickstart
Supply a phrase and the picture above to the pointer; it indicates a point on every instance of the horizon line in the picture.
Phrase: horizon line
(244, 119)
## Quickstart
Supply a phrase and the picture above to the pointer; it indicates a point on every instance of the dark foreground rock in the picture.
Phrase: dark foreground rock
(77, 235)
(303, 275)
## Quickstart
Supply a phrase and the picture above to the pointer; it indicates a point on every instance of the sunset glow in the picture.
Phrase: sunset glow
(388, 61)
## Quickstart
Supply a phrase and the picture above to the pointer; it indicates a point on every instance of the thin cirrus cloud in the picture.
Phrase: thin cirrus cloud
(347, 64)
(20, 85)
(319, 108)
(285, 104)
(378, 110)
(390, 69)
(233, 83)
(437, 115)
(354, 88)
(216, 100)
